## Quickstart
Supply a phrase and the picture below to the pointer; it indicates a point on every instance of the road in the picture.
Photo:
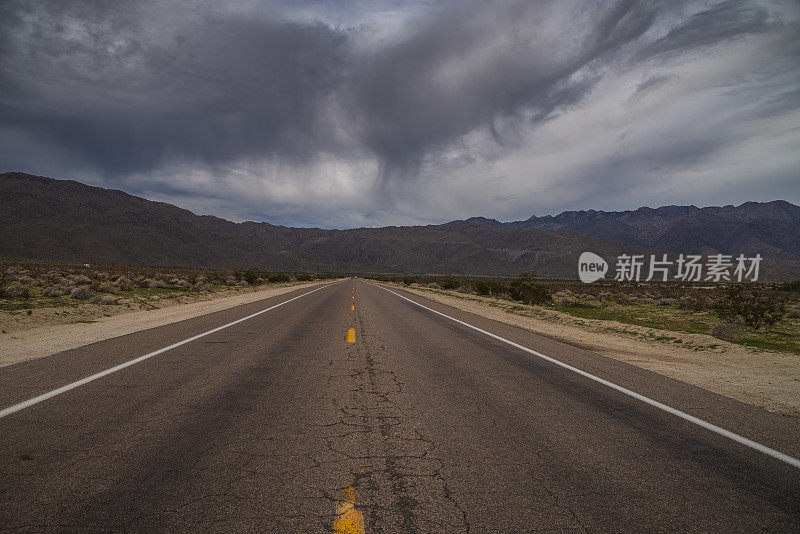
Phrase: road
(428, 424)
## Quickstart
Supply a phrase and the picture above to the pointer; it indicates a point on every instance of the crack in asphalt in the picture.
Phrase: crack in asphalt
(401, 484)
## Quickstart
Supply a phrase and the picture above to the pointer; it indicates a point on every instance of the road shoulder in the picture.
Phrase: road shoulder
(45, 340)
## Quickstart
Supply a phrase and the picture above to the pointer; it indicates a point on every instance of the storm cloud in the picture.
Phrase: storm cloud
(357, 113)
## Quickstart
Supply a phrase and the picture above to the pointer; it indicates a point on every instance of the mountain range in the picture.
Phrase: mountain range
(64, 220)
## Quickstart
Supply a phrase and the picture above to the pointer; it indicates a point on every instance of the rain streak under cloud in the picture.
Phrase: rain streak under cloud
(364, 113)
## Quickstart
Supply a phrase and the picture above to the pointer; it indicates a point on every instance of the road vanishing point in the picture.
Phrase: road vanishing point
(353, 407)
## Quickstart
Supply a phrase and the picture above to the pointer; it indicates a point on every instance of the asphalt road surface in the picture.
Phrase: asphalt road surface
(427, 424)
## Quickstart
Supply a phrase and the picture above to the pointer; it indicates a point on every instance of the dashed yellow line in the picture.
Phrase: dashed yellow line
(348, 519)
(353, 307)
(351, 335)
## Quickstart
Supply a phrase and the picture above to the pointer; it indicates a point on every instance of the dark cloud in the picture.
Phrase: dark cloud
(472, 63)
(221, 88)
(288, 109)
(721, 22)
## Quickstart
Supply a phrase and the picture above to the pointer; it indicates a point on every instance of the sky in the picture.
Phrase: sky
(343, 114)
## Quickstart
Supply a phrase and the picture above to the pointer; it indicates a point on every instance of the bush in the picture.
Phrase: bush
(724, 331)
(123, 283)
(481, 287)
(754, 309)
(106, 299)
(19, 291)
(667, 302)
(304, 277)
(278, 278)
(524, 289)
(251, 276)
(53, 291)
(102, 287)
(156, 284)
(449, 283)
(793, 313)
(203, 286)
(80, 292)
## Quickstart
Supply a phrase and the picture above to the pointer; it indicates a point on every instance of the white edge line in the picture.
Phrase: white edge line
(794, 462)
(63, 389)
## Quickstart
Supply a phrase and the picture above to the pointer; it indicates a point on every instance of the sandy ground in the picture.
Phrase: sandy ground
(761, 378)
(50, 330)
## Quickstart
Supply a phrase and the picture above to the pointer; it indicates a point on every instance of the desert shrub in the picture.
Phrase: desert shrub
(17, 290)
(524, 289)
(80, 292)
(106, 299)
(102, 287)
(203, 286)
(157, 284)
(754, 309)
(303, 277)
(123, 283)
(80, 279)
(243, 283)
(482, 287)
(278, 278)
(251, 276)
(648, 300)
(174, 281)
(622, 299)
(794, 313)
(561, 300)
(724, 331)
(25, 280)
(667, 302)
(53, 291)
(449, 283)
(789, 286)
(230, 281)
(434, 285)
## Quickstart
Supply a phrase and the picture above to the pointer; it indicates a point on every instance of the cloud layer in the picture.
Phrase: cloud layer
(355, 113)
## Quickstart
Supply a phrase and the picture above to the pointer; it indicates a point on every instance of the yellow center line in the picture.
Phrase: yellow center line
(351, 335)
(352, 307)
(348, 519)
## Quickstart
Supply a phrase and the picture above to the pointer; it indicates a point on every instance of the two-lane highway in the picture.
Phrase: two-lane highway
(351, 392)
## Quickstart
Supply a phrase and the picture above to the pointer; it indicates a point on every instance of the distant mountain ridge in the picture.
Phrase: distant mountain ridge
(64, 220)
(748, 228)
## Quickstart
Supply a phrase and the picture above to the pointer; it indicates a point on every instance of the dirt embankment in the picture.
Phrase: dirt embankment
(49, 330)
(762, 378)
